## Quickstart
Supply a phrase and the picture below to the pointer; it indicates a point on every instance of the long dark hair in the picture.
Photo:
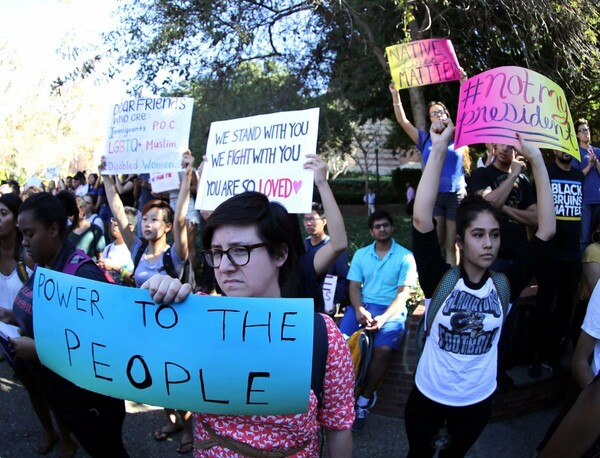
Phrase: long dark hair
(13, 202)
(50, 209)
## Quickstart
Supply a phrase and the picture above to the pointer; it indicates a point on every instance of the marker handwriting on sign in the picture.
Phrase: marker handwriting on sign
(422, 62)
(78, 299)
(235, 324)
(510, 98)
(264, 344)
(139, 375)
(245, 156)
(270, 187)
(271, 132)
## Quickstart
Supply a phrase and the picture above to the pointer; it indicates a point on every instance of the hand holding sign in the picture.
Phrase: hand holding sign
(527, 150)
(166, 290)
(187, 162)
(442, 131)
(253, 355)
(316, 164)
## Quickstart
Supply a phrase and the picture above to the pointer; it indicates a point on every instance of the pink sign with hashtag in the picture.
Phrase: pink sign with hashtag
(496, 104)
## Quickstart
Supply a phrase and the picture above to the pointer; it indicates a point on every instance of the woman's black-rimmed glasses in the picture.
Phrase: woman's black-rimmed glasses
(238, 255)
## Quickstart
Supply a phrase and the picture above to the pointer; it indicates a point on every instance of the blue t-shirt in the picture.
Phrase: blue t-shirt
(381, 278)
(453, 175)
(591, 182)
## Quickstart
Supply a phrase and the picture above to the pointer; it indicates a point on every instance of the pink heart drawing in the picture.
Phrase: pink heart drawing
(297, 185)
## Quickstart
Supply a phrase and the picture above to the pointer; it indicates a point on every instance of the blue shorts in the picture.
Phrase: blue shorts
(446, 204)
(390, 335)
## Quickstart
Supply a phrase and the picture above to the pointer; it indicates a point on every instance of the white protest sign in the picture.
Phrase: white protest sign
(147, 135)
(263, 153)
(329, 285)
(165, 181)
(52, 172)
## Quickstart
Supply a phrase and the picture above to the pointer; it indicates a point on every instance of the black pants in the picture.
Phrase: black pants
(557, 280)
(424, 418)
(95, 420)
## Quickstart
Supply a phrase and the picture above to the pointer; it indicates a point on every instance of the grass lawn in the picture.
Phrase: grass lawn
(358, 233)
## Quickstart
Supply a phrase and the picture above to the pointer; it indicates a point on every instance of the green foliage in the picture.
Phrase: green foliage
(350, 190)
(333, 53)
(402, 176)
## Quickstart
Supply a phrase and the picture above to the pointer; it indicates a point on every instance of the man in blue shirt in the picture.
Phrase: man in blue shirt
(381, 277)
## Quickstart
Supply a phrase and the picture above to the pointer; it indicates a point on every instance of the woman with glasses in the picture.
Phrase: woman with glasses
(455, 378)
(452, 185)
(153, 255)
(252, 249)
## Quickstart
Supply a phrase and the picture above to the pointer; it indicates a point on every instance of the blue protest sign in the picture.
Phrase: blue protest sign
(209, 354)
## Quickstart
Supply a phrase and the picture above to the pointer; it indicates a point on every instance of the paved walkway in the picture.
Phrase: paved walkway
(383, 436)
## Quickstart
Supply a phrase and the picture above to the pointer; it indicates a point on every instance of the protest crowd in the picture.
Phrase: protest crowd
(480, 236)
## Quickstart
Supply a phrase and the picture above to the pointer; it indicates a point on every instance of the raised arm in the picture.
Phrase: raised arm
(338, 242)
(497, 197)
(180, 237)
(545, 201)
(406, 125)
(116, 205)
(441, 133)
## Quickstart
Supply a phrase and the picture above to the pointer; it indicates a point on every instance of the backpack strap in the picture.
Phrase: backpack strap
(139, 253)
(442, 291)
(503, 288)
(168, 267)
(21, 268)
(319, 357)
(79, 258)
(75, 261)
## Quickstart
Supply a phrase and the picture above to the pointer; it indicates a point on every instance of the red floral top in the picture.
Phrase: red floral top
(288, 431)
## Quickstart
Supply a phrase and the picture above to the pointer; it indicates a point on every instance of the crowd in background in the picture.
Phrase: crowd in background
(126, 230)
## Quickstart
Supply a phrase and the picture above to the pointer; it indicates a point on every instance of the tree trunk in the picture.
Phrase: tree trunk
(417, 99)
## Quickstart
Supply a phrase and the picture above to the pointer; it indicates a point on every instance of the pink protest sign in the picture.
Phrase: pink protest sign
(499, 102)
(423, 62)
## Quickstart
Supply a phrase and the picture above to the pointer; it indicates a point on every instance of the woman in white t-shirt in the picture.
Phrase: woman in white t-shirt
(456, 375)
